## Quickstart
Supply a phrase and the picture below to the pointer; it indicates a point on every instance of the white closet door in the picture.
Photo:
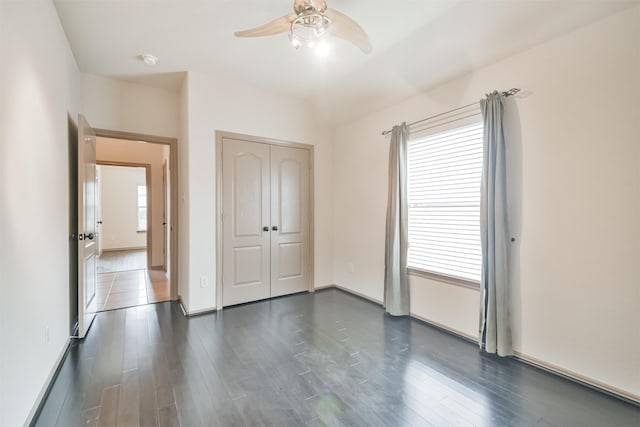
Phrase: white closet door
(246, 205)
(290, 220)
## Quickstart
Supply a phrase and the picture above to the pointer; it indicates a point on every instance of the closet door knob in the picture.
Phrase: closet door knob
(274, 228)
(265, 228)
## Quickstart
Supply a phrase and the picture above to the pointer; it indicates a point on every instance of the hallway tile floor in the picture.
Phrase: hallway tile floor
(130, 288)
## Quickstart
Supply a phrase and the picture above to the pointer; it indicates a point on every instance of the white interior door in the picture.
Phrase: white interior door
(87, 247)
(290, 220)
(246, 221)
(165, 217)
(98, 210)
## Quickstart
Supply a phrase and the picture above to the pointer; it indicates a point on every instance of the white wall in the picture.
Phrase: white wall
(129, 107)
(217, 104)
(119, 207)
(574, 182)
(116, 150)
(39, 87)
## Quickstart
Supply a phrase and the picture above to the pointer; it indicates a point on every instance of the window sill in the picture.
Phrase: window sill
(469, 284)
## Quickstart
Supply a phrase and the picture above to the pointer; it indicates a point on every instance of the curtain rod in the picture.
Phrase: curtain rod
(509, 92)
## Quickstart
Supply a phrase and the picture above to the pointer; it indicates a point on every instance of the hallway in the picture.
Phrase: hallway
(124, 281)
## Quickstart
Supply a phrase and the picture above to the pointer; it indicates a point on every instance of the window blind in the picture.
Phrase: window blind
(444, 173)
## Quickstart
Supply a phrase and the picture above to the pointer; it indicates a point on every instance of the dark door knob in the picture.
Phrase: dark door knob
(99, 222)
(164, 223)
(274, 228)
(89, 236)
(265, 228)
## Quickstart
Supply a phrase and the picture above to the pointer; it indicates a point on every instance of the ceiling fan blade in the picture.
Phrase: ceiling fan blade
(277, 26)
(347, 29)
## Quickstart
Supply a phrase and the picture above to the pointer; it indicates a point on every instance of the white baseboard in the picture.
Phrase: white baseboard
(201, 311)
(358, 294)
(415, 316)
(570, 375)
(134, 248)
(189, 313)
(45, 387)
(574, 376)
(182, 306)
(447, 329)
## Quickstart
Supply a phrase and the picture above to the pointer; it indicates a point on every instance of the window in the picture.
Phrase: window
(142, 208)
(444, 173)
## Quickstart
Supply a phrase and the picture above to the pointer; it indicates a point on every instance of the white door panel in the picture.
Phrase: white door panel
(247, 192)
(245, 181)
(291, 257)
(87, 221)
(247, 264)
(290, 208)
(289, 205)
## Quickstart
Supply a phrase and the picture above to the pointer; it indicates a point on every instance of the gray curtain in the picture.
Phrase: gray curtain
(396, 280)
(495, 328)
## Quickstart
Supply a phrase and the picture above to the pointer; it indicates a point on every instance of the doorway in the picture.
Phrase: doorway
(125, 241)
(136, 231)
(123, 215)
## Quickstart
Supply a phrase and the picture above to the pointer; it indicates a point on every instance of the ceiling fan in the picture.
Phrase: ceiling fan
(312, 20)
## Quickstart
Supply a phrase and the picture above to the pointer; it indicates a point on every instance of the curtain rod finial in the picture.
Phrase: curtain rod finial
(511, 92)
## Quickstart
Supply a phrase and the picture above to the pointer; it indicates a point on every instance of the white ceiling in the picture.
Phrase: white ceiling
(416, 43)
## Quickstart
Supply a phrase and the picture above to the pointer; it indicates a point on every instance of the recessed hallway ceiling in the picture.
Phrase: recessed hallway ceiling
(416, 44)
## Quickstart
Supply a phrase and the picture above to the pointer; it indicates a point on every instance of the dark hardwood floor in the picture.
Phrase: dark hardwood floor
(310, 359)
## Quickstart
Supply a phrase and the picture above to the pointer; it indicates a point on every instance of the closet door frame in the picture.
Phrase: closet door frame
(220, 135)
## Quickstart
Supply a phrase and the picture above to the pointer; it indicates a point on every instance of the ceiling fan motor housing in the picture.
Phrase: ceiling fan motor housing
(310, 24)
(315, 5)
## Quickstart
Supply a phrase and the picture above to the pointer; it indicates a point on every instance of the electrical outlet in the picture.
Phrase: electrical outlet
(352, 267)
(47, 335)
(204, 282)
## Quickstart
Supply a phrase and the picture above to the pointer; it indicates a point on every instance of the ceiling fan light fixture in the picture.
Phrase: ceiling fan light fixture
(294, 41)
(311, 21)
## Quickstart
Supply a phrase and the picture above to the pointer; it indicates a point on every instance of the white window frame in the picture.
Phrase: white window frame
(141, 228)
(430, 131)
